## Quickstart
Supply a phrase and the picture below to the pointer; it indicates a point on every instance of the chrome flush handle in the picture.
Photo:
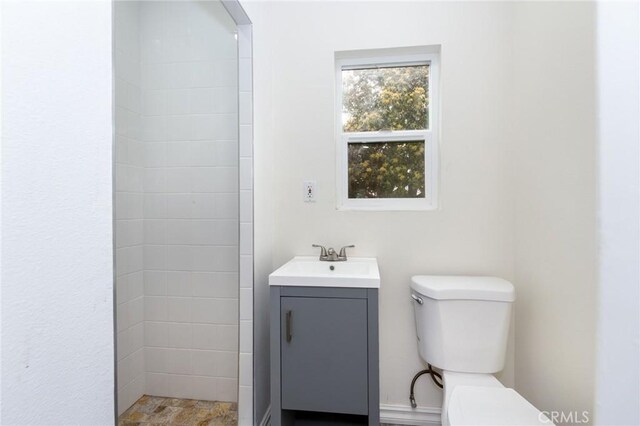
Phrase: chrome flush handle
(417, 299)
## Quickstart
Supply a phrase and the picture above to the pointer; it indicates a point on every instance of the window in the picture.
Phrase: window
(387, 129)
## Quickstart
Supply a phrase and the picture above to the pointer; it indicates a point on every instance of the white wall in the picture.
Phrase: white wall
(470, 234)
(264, 209)
(618, 66)
(554, 142)
(57, 274)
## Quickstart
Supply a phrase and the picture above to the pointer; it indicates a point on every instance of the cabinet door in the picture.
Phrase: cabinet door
(324, 354)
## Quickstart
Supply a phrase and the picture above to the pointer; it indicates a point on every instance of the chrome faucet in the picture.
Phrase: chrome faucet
(330, 255)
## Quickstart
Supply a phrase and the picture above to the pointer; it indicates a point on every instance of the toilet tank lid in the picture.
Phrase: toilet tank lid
(448, 287)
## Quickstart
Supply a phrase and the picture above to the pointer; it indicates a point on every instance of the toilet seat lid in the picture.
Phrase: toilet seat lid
(479, 405)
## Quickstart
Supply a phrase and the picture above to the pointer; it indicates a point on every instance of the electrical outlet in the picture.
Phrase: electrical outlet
(309, 195)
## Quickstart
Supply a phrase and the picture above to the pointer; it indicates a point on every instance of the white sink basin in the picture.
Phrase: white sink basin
(308, 271)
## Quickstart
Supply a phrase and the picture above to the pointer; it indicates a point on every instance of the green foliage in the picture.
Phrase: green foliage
(386, 99)
(386, 170)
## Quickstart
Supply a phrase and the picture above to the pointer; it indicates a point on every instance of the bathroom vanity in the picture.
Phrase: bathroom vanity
(324, 342)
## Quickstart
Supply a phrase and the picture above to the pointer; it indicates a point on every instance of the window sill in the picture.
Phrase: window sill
(387, 205)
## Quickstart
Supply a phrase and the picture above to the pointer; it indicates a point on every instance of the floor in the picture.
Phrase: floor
(155, 410)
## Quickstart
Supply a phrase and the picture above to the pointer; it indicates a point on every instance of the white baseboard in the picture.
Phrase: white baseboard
(266, 419)
(405, 415)
(392, 414)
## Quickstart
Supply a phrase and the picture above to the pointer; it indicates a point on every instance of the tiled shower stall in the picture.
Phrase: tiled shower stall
(184, 237)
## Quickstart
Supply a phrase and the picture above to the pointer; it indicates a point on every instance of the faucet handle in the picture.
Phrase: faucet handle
(343, 251)
(323, 250)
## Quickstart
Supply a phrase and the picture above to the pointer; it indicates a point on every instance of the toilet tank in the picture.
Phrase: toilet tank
(462, 322)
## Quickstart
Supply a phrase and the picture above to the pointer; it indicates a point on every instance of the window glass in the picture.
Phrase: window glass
(387, 169)
(385, 98)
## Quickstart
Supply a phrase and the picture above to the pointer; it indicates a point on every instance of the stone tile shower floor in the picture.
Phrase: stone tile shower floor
(155, 410)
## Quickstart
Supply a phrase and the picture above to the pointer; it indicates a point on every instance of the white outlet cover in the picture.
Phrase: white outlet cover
(309, 191)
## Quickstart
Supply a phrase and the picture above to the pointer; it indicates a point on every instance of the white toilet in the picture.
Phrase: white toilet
(462, 327)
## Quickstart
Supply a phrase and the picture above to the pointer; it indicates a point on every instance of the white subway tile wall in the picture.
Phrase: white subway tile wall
(178, 213)
(189, 126)
(129, 174)
(245, 72)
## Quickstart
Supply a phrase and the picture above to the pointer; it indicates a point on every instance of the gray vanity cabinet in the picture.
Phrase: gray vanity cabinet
(324, 356)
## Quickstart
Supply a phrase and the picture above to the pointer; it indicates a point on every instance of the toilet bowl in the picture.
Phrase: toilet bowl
(495, 406)
(480, 399)
(462, 326)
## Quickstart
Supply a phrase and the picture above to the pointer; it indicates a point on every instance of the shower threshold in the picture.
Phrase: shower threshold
(150, 410)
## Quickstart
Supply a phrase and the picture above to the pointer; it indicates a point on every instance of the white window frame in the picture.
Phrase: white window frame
(430, 135)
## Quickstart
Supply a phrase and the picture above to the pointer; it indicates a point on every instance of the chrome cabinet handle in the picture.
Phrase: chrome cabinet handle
(289, 318)
(417, 299)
